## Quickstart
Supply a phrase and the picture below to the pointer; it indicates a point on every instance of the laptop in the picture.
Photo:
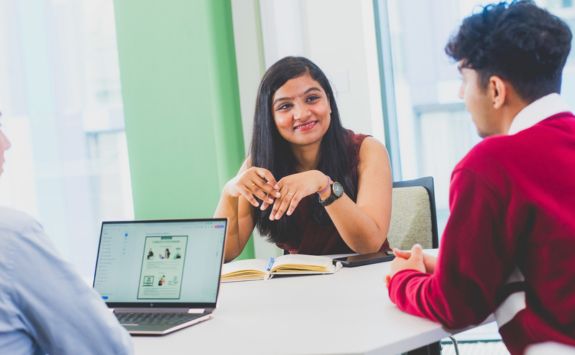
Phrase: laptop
(160, 276)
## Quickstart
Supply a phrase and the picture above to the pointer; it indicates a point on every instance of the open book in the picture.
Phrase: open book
(293, 264)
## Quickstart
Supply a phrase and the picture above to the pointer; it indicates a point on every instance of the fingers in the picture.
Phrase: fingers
(281, 205)
(258, 183)
(416, 261)
(248, 195)
(266, 175)
(266, 203)
(404, 254)
(293, 204)
(417, 252)
(264, 187)
(395, 265)
(264, 206)
(412, 260)
(257, 192)
(292, 189)
(268, 179)
(430, 262)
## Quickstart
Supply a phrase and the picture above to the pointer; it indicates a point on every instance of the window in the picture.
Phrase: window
(62, 109)
(430, 129)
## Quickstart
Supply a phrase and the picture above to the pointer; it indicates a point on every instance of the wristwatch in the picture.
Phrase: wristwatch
(336, 192)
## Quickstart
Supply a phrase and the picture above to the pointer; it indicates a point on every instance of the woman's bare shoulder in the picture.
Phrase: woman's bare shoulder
(370, 146)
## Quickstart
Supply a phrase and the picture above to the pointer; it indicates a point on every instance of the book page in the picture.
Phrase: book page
(295, 263)
(243, 270)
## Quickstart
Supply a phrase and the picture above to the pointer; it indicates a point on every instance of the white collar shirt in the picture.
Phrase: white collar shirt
(537, 111)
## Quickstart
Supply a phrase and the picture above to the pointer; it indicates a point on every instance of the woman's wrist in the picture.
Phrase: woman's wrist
(325, 191)
(228, 189)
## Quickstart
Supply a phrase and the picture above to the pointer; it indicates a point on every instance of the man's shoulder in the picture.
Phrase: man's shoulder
(505, 148)
(484, 153)
(15, 221)
(19, 233)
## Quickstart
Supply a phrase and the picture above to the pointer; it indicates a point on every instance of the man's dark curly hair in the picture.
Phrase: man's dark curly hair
(519, 42)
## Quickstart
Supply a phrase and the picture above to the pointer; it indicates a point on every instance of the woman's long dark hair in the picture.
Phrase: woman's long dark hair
(271, 151)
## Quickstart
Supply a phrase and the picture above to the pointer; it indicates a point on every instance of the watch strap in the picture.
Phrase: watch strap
(332, 197)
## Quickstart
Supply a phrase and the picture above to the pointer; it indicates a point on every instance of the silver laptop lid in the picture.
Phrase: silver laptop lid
(160, 263)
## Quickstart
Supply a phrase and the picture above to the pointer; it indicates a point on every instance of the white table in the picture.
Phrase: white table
(348, 312)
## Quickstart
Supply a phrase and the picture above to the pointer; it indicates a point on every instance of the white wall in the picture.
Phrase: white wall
(249, 58)
(338, 35)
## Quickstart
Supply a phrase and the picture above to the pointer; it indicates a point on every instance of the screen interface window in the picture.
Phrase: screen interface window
(160, 261)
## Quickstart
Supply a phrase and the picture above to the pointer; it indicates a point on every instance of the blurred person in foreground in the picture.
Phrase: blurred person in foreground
(45, 305)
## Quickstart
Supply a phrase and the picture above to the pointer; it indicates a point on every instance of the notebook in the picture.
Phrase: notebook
(160, 276)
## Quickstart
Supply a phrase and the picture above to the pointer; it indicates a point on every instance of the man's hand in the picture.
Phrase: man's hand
(428, 260)
(407, 261)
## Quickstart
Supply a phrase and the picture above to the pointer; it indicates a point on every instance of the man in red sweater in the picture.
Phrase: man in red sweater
(509, 245)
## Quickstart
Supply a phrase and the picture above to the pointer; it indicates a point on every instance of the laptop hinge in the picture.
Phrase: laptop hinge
(160, 310)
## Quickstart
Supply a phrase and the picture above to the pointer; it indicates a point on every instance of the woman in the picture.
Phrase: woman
(309, 185)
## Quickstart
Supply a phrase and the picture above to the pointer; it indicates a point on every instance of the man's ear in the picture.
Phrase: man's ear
(497, 91)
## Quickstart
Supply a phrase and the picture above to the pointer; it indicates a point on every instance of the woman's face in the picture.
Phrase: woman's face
(301, 111)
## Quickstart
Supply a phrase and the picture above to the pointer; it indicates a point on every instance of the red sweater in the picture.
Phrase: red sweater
(512, 201)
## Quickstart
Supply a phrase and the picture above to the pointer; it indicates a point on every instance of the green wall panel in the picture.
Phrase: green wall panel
(181, 104)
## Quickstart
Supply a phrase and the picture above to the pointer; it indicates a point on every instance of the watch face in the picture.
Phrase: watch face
(337, 189)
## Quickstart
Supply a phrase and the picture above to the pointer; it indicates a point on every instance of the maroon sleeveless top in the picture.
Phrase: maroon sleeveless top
(315, 238)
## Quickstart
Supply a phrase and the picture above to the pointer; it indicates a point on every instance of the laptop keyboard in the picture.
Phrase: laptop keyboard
(155, 318)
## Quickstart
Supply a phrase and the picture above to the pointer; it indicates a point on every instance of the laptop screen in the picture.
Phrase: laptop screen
(157, 263)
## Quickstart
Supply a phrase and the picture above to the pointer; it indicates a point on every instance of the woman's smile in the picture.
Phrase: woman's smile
(306, 126)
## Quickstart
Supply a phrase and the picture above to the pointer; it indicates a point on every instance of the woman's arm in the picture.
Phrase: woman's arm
(364, 224)
(238, 195)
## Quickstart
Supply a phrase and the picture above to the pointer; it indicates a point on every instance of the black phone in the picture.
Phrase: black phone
(365, 259)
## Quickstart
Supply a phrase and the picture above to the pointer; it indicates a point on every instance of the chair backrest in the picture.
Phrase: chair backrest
(413, 215)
